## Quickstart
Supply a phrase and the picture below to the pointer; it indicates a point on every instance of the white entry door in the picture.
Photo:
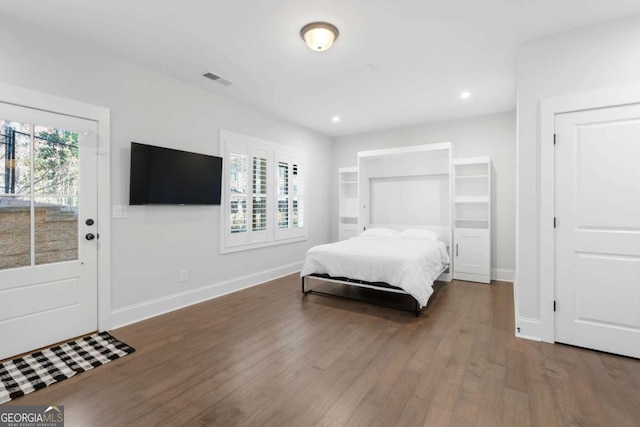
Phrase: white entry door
(48, 228)
(597, 201)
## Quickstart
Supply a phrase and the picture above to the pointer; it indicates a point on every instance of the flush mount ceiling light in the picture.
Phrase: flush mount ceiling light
(465, 95)
(319, 36)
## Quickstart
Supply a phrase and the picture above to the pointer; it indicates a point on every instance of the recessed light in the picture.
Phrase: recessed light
(465, 95)
(335, 119)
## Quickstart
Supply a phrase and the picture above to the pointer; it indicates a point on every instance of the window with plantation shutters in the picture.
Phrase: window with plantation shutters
(297, 197)
(259, 199)
(283, 195)
(290, 193)
(263, 193)
(238, 193)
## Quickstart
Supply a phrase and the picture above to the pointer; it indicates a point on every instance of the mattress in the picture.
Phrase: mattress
(411, 265)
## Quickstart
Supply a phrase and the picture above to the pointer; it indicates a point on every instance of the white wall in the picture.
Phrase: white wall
(154, 243)
(493, 135)
(591, 58)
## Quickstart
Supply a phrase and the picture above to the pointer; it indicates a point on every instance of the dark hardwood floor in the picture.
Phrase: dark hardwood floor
(269, 356)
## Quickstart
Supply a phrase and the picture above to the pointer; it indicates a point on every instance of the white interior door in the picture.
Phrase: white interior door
(48, 206)
(598, 229)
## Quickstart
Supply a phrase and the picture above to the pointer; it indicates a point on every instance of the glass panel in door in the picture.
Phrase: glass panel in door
(39, 195)
(15, 188)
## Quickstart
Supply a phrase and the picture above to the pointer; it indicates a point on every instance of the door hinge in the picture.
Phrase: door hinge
(555, 306)
(554, 222)
(554, 139)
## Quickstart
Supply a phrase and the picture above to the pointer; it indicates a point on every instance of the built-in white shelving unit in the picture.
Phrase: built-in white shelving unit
(472, 219)
(347, 202)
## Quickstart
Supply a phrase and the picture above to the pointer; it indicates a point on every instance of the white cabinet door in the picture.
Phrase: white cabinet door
(597, 204)
(471, 255)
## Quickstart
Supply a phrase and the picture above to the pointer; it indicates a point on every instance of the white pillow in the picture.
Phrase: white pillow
(379, 232)
(419, 234)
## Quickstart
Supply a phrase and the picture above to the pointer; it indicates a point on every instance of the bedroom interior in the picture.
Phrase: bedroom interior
(331, 145)
(404, 206)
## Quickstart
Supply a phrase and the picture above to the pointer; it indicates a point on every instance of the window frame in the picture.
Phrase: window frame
(234, 143)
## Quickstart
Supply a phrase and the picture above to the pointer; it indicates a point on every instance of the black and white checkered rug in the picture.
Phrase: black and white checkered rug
(26, 374)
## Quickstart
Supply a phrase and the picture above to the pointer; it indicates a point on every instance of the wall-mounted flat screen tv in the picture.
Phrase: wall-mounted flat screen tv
(163, 176)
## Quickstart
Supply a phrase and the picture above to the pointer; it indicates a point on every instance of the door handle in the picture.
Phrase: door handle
(456, 249)
(90, 236)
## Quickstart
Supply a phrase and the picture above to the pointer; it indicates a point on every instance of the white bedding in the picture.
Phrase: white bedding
(411, 265)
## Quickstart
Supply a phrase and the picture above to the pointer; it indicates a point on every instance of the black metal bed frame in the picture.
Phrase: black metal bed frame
(379, 286)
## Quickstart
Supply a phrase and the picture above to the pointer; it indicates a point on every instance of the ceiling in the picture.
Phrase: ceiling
(395, 63)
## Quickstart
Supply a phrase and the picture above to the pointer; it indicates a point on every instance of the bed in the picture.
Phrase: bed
(406, 262)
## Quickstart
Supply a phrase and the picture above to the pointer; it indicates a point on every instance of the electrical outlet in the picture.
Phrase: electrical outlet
(184, 275)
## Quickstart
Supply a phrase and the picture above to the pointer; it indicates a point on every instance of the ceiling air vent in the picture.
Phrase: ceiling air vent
(217, 79)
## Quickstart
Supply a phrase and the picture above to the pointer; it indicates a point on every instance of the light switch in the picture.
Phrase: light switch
(120, 212)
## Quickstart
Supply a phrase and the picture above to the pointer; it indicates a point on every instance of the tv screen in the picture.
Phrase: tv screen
(163, 176)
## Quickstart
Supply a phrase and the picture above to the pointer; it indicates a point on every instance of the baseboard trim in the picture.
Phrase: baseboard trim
(445, 277)
(502, 275)
(525, 327)
(516, 309)
(145, 310)
(529, 329)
